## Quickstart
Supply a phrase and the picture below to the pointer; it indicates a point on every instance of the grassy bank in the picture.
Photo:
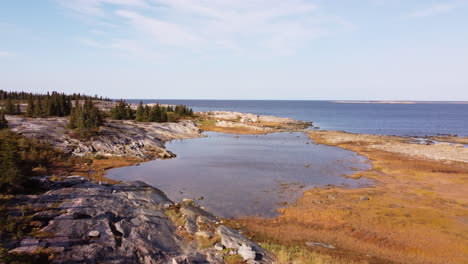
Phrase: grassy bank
(416, 213)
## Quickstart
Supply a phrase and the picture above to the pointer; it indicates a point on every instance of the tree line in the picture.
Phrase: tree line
(23, 96)
(40, 105)
(146, 113)
(84, 116)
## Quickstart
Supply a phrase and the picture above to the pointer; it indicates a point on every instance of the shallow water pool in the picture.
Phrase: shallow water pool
(246, 175)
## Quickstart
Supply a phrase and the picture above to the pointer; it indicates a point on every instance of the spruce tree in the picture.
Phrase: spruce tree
(3, 121)
(11, 174)
(30, 107)
(140, 113)
(9, 108)
(129, 113)
(155, 114)
(38, 110)
(147, 113)
(86, 118)
(18, 109)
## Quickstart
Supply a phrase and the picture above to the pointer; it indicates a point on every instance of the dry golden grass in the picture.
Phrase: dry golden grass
(302, 255)
(95, 169)
(459, 140)
(234, 130)
(416, 213)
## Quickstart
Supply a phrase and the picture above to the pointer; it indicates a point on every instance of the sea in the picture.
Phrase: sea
(402, 119)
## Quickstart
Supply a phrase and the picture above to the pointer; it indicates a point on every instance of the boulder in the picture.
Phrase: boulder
(246, 252)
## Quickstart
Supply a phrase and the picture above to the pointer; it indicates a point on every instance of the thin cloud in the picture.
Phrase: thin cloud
(5, 54)
(231, 25)
(433, 10)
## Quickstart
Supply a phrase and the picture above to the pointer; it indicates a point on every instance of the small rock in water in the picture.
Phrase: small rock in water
(187, 200)
(93, 233)
(307, 165)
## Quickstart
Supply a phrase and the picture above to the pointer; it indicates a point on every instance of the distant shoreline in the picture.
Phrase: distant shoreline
(400, 102)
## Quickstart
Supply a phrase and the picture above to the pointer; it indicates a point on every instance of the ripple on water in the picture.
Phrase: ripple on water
(246, 175)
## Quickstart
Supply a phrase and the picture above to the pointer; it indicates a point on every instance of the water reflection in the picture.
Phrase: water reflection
(246, 175)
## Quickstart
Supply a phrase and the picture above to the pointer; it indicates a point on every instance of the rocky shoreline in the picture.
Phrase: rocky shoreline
(82, 221)
(116, 138)
(79, 221)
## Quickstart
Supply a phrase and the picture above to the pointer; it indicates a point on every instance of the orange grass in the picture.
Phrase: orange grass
(96, 169)
(417, 211)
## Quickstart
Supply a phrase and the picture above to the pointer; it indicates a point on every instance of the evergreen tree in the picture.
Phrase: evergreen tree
(3, 121)
(75, 113)
(30, 107)
(86, 118)
(164, 116)
(11, 169)
(122, 111)
(18, 109)
(140, 113)
(129, 113)
(155, 114)
(147, 113)
(9, 108)
(38, 110)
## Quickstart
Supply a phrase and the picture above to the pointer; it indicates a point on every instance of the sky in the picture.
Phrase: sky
(237, 49)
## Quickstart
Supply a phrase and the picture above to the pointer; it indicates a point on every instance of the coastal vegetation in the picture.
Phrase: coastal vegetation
(21, 158)
(85, 118)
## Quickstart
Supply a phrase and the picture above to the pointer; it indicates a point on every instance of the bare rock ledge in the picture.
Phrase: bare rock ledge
(132, 222)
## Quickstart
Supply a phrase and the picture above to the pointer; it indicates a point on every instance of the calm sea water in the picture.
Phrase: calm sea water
(387, 119)
(246, 175)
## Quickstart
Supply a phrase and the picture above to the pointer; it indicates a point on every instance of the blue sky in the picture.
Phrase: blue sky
(234, 49)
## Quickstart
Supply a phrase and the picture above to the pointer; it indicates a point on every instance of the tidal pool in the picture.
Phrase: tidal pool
(246, 175)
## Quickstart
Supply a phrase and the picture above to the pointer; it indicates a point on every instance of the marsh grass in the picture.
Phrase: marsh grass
(302, 255)
(412, 215)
